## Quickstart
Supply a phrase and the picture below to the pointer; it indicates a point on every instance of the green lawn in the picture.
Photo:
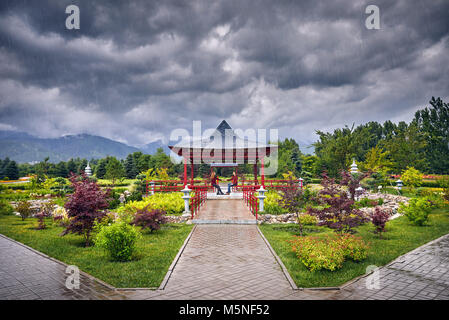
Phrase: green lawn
(401, 237)
(155, 251)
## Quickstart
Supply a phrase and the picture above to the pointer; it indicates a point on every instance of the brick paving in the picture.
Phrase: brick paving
(225, 261)
(28, 275)
(225, 210)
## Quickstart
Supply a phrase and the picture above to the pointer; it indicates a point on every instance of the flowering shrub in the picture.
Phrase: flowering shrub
(171, 203)
(151, 219)
(307, 219)
(353, 247)
(119, 239)
(328, 252)
(379, 219)
(318, 253)
(417, 211)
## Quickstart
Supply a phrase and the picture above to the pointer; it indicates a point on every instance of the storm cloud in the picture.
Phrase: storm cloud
(135, 70)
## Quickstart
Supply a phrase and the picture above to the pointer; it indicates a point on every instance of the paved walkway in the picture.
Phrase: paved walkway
(225, 210)
(226, 261)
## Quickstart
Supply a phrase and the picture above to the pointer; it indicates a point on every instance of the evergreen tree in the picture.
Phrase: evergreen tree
(12, 171)
(100, 170)
(114, 170)
(71, 167)
(61, 170)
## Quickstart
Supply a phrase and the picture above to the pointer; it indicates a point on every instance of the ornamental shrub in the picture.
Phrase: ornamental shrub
(412, 178)
(171, 203)
(353, 247)
(318, 253)
(307, 220)
(150, 218)
(60, 216)
(328, 252)
(84, 206)
(417, 211)
(379, 219)
(119, 239)
(45, 211)
(6, 208)
(271, 203)
(24, 209)
(336, 209)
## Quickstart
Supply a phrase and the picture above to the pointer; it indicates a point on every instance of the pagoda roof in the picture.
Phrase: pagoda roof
(223, 138)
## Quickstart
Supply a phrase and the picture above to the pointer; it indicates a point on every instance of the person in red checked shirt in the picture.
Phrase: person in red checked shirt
(214, 179)
(234, 180)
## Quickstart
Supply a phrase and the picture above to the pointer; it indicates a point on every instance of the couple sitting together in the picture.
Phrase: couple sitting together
(214, 179)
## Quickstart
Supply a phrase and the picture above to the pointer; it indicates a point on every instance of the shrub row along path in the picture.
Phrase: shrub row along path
(225, 261)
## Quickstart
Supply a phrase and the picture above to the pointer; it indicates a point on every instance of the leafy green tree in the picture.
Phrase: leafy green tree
(406, 148)
(114, 170)
(434, 123)
(336, 150)
(412, 178)
(289, 157)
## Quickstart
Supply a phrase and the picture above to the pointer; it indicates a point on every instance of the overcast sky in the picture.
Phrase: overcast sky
(135, 70)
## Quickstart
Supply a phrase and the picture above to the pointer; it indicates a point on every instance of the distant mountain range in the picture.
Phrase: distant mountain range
(22, 147)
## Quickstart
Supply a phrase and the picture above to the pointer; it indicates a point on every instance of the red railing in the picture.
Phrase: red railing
(250, 199)
(153, 186)
(198, 198)
(177, 185)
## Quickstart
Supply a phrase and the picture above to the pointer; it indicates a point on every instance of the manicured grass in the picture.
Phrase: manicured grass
(400, 238)
(155, 251)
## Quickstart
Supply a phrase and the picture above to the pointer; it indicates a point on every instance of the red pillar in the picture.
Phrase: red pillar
(191, 174)
(255, 173)
(262, 173)
(185, 172)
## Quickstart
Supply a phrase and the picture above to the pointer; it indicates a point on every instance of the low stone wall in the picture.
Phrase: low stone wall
(280, 218)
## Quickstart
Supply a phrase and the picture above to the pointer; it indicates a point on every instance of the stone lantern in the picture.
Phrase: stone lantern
(354, 168)
(358, 192)
(301, 182)
(399, 184)
(88, 170)
(261, 198)
(186, 198)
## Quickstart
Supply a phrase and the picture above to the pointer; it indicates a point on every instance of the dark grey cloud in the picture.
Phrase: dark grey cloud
(138, 69)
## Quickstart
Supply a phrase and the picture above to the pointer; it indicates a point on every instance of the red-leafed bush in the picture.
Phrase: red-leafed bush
(150, 218)
(337, 210)
(379, 218)
(84, 206)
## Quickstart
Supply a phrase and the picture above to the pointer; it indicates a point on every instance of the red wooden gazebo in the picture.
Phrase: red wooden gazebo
(224, 148)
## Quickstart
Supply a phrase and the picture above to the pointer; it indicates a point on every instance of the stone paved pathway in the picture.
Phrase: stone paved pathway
(226, 261)
(27, 275)
(225, 210)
